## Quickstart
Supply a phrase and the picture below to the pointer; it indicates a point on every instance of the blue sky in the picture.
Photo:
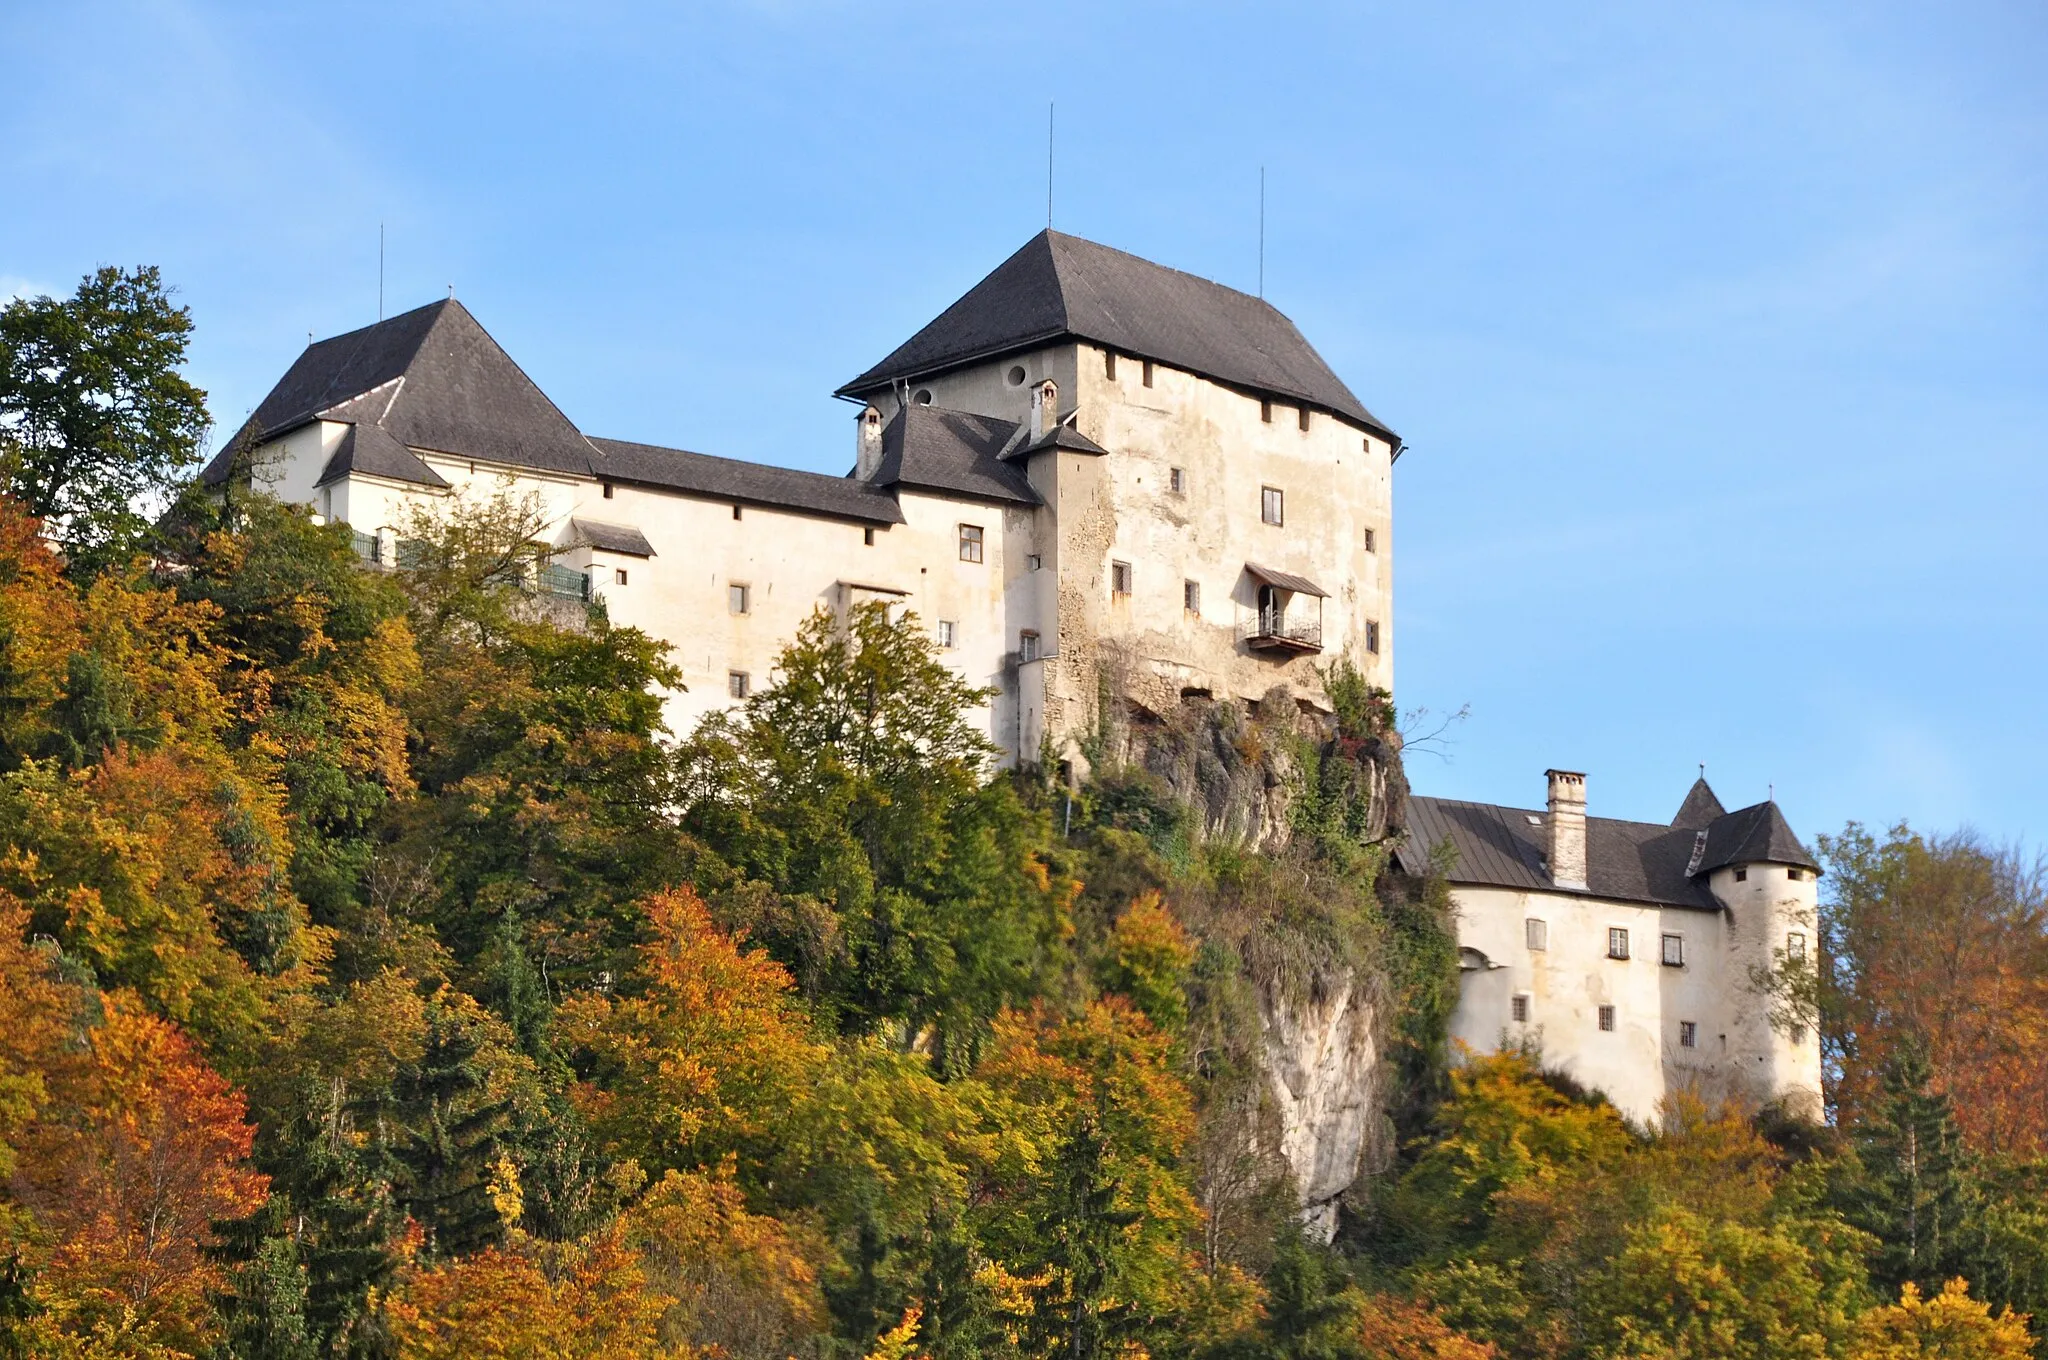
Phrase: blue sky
(1719, 333)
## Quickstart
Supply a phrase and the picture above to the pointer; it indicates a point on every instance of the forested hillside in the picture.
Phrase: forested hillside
(378, 978)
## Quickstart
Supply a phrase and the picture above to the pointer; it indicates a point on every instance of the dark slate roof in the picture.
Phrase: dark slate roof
(1504, 847)
(933, 449)
(729, 479)
(1753, 835)
(433, 379)
(1700, 808)
(1058, 437)
(1286, 580)
(613, 538)
(367, 449)
(1061, 287)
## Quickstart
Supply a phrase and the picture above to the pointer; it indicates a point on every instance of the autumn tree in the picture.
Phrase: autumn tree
(95, 418)
(1940, 942)
(1950, 1324)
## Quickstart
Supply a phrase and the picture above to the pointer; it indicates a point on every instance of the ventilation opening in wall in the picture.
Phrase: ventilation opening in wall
(923, 397)
(1016, 375)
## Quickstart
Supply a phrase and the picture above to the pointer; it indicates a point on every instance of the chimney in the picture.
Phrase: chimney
(1045, 408)
(1566, 827)
(867, 427)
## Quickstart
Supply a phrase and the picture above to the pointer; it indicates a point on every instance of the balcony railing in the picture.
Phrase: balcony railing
(1272, 630)
(370, 547)
(562, 582)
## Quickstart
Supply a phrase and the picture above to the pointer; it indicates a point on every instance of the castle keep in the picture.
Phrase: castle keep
(1088, 465)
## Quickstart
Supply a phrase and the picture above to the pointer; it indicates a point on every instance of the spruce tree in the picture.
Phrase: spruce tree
(1918, 1191)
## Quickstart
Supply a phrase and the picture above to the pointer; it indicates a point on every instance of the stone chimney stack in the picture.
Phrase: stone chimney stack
(1566, 828)
(1045, 408)
(867, 427)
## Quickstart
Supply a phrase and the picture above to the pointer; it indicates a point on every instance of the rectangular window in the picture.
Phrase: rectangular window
(1795, 874)
(619, 576)
(1272, 505)
(1518, 1010)
(736, 600)
(1148, 373)
(735, 512)
(1034, 561)
(1795, 947)
(1027, 646)
(1742, 875)
(1537, 932)
(1607, 1019)
(1177, 481)
(970, 543)
(949, 633)
(1266, 412)
(1372, 544)
(607, 490)
(1674, 951)
(739, 684)
(1372, 637)
(1109, 364)
(1688, 1034)
(1119, 578)
(1304, 420)
(1617, 942)
(1191, 596)
(867, 536)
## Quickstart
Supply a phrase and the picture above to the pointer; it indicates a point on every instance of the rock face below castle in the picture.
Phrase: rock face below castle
(1322, 1062)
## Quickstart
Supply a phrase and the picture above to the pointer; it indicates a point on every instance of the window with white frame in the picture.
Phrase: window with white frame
(1537, 932)
(1607, 1019)
(1688, 1034)
(1027, 646)
(619, 576)
(1272, 505)
(739, 599)
(1674, 951)
(949, 633)
(1617, 942)
(1518, 1009)
(970, 543)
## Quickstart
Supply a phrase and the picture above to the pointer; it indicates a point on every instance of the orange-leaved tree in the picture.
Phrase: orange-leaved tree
(141, 1149)
(705, 1051)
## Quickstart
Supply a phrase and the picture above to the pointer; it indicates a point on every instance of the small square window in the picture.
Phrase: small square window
(1537, 932)
(1148, 373)
(1372, 637)
(1795, 947)
(1027, 646)
(1266, 412)
(1372, 543)
(607, 490)
(1688, 1034)
(949, 633)
(735, 512)
(1617, 942)
(1272, 505)
(1674, 951)
(970, 543)
(1518, 1010)
(1177, 481)
(1742, 875)
(1795, 874)
(737, 600)
(1304, 420)
(1109, 364)
(867, 536)
(739, 684)
(1191, 596)
(1607, 1019)
(1034, 562)
(619, 576)
(1120, 578)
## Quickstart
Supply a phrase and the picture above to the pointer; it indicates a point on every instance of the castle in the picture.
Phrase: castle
(1088, 459)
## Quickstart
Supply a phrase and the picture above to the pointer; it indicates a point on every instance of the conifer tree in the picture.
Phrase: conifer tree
(1917, 1194)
